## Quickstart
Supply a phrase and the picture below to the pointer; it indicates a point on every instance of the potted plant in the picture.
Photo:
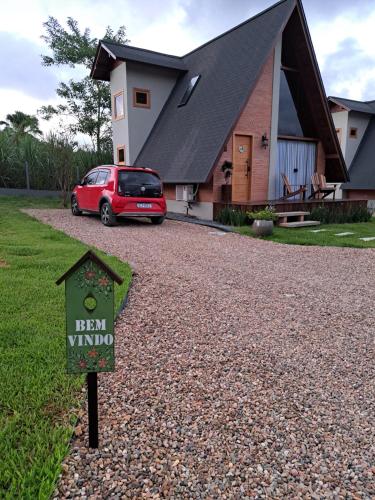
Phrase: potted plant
(226, 168)
(263, 221)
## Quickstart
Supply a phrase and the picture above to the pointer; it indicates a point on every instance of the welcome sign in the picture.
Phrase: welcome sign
(89, 290)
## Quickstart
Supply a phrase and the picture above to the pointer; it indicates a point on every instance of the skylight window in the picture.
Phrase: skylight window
(192, 84)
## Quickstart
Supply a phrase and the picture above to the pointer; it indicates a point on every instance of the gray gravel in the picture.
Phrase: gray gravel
(245, 369)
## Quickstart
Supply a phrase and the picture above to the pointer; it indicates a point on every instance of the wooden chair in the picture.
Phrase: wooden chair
(320, 188)
(288, 190)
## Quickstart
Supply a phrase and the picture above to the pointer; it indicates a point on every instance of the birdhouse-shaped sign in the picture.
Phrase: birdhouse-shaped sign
(89, 292)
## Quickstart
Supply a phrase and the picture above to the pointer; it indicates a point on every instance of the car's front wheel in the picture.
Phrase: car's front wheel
(75, 207)
(157, 220)
(106, 215)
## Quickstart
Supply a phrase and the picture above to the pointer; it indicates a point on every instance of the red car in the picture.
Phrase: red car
(116, 191)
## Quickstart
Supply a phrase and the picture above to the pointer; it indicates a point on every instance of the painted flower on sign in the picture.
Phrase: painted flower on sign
(82, 363)
(102, 363)
(104, 281)
(94, 279)
(93, 353)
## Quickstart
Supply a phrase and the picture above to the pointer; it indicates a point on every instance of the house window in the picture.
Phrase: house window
(118, 106)
(141, 98)
(190, 88)
(353, 133)
(289, 104)
(121, 155)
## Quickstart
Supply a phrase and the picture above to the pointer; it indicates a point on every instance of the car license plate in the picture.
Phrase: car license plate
(144, 205)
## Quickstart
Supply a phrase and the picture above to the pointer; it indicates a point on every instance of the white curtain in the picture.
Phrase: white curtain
(296, 159)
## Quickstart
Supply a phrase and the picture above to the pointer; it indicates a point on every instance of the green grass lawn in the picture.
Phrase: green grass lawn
(36, 395)
(305, 236)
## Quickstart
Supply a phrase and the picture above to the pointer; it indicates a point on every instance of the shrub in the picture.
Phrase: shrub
(41, 159)
(337, 216)
(231, 217)
(266, 214)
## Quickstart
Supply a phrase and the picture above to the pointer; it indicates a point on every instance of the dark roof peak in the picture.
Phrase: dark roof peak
(237, 26)
(186, 141)
(354, 105)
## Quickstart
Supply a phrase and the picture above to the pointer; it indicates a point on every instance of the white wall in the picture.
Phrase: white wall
(340, 119)
(272, 181)
(120, 131)
(160, 83)
(201, 210)
(360, 122)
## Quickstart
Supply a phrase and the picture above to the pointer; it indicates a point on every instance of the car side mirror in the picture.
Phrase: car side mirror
(82, 182)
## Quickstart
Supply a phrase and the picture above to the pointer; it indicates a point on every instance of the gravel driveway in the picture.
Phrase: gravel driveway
(245, 369)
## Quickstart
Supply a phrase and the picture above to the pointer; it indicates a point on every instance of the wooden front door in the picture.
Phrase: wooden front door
(241, 176)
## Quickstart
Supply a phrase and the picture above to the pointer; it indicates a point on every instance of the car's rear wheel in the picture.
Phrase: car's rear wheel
(157, 220)
(75, 207)
(106, 215)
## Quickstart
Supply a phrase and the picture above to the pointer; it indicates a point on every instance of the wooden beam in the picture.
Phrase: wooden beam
(295, 138)
(288, 68)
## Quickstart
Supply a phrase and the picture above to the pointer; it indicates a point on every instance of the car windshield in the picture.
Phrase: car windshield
(136, 178)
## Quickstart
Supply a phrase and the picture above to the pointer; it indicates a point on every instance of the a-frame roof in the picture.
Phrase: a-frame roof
(186, 141)
(108, 52)
(89, 255)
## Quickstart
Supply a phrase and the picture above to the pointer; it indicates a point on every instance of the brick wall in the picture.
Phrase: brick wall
(169, 191)
(255, 120)
(218, 177)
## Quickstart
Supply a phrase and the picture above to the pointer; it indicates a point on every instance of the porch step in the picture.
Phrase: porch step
(304, 223)
(291, 214)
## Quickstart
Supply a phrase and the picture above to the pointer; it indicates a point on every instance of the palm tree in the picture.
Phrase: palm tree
(21, 124)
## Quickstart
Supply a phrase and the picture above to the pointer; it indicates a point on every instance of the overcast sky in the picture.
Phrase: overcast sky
(342, 32)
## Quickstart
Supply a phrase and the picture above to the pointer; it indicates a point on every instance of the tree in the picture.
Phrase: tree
(21, 124)
(60, 150)
(87, 102)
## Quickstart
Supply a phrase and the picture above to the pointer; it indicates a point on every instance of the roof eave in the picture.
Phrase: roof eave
(336, 101)
(93, 73)
(90, 255)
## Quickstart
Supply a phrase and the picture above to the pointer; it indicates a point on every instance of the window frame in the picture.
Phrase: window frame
(95, 172)
(118, 155)
(188, 93)
(103, 171)
(355, 134)
(143, 91)
(116, 117)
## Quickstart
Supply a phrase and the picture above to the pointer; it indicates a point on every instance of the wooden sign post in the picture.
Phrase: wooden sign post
(90, 341)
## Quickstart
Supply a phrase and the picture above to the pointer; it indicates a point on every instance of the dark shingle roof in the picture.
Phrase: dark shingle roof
(129, 53)
(351, 105)
(186, 141)
(362, 169)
